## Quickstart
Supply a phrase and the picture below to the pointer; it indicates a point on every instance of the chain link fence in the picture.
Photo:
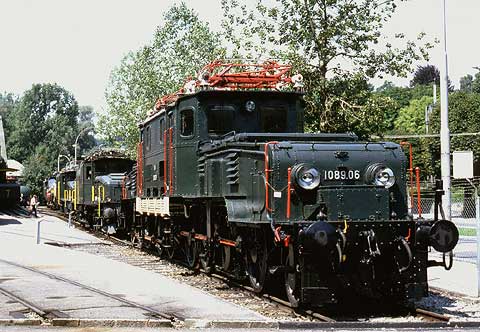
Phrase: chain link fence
(463, 215)
(463, 202)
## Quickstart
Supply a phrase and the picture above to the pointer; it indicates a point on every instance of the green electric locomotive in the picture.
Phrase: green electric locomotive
(227, 179)
(98, 189)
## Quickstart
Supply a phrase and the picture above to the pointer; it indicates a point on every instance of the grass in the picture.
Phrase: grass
(467, 231)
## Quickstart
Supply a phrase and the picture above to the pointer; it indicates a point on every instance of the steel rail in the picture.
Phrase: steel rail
(93, 289)
(430, 315)
(23, 302)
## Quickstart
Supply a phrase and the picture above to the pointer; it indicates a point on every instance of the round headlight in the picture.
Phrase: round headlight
(384, 177)
(306, 176)
(250, 106)
(380, 175)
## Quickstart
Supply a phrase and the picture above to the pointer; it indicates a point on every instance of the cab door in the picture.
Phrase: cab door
(88, 189)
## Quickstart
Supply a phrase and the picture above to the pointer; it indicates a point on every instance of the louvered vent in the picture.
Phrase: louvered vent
(233, 171)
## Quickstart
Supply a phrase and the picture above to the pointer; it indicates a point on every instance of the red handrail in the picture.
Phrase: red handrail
(171, 159)
(419, 206)
(140, 169)
(165, 162)
(289, 188)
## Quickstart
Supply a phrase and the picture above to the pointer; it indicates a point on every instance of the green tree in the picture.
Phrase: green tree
(180, 47)
(476, 82)
(466, 83)
(336, 45)
(411, 119)
(401, 97)
(463, 113)
(38, 117)
(425, 75)
(8, 102)
(44, 125)
(86, 117)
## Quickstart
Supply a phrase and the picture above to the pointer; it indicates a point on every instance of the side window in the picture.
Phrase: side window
(186, 122)
(162, 128)
(161, 168)
(88, 172)
(147, 139)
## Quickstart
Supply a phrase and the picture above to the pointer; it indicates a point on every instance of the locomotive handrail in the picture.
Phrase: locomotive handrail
(170, 146)
(419, 205)
(410, 169)
(295, 136)
(267, 170)
(165, 161)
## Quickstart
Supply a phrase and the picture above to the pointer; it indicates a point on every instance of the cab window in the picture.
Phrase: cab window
(220, 119)
(186, 122)
(273, 119)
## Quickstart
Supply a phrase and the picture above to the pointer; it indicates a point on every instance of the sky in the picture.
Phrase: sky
(76, 44)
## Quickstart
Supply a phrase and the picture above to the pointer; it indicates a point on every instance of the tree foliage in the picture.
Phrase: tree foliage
(46, 114)
(8, 102)
(180, 47)
(401, 97)
(466, 83)
(86, 117)
(411, 119)
(426, 75)
(336, 45)
(44, 124)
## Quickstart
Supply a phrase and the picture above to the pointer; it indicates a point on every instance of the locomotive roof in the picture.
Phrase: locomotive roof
(106, 154)
(216, 92)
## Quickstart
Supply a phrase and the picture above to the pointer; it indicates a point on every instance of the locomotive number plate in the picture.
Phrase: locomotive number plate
(341, 174)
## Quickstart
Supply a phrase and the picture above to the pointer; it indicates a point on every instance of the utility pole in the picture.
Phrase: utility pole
(444, 130)
(3, 149)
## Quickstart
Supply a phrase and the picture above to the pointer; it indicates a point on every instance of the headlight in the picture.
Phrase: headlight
(380, 175)
(306, 176)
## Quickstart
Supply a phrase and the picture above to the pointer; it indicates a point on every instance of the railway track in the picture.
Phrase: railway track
(48, 314)
(217, 284)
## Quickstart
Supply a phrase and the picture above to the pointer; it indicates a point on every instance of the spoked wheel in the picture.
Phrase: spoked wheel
(205, 255)
(292, 282)
(157, 248)
(169, 251)
(256, 261)
(135, 239)
(226, 257)
(168, 241)
(191, 252)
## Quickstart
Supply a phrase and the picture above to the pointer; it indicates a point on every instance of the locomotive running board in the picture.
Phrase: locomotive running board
(153, 206)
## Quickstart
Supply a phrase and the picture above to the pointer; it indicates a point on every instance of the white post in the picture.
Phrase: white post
(477, 215)
(444, 130)
(38, 230)
(70, 219)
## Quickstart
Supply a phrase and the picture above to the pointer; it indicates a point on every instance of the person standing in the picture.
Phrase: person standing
(33, 205)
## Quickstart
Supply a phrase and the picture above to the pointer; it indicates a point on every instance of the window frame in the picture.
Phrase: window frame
(182, 111)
